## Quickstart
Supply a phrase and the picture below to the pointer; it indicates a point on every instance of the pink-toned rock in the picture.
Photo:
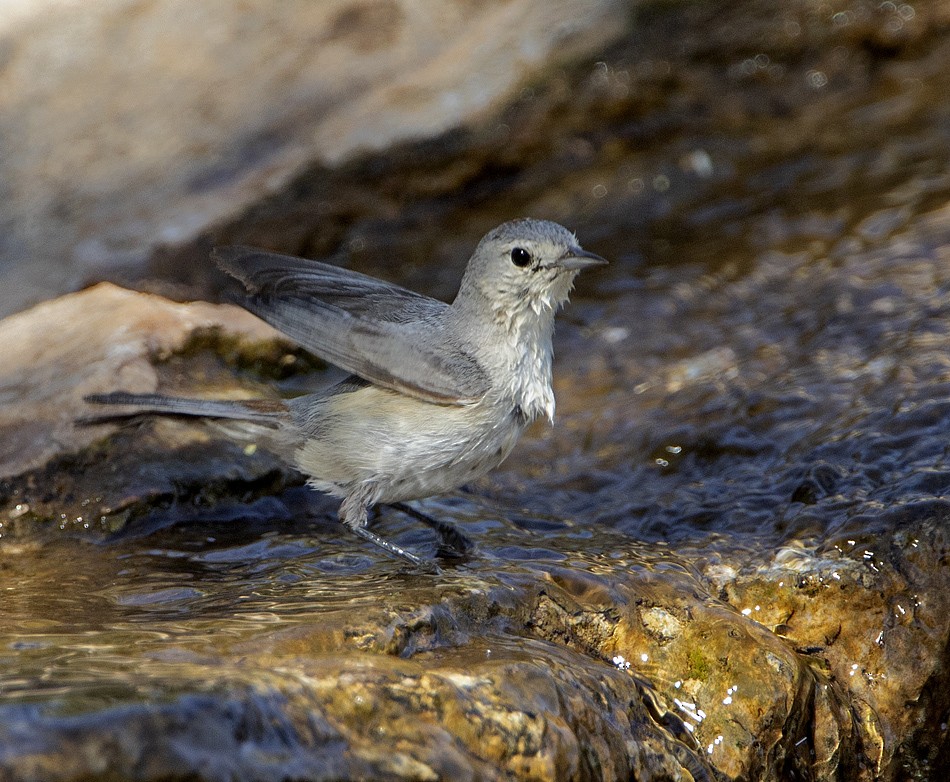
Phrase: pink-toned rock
(100, 339)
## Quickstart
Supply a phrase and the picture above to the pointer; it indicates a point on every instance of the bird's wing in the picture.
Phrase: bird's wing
(379, 331)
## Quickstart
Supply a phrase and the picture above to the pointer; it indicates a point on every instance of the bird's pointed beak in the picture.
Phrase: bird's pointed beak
(576, 259)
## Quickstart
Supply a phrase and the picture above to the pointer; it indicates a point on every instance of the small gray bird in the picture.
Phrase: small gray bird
(438, 393)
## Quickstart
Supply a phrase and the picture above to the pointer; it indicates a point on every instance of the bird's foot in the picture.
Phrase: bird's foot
(397, 551)
(454, 541)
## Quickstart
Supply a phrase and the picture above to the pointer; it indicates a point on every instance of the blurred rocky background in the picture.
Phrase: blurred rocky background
(129, 126)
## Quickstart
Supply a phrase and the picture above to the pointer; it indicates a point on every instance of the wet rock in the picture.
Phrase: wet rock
(365, 718)
(872, 613)
(55, 469)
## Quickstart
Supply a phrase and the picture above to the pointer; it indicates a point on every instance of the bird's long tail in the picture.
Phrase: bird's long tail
(258, 410)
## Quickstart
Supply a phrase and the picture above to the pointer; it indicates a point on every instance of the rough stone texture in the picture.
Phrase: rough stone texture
(325, 719)
(104, 337)
(151, 120)
(108, 338)
(877, 626)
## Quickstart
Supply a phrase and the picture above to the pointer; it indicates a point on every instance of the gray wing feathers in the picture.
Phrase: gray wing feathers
(359, 294)
(381, 332)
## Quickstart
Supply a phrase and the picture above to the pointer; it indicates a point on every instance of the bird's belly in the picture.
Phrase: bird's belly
(408, 448)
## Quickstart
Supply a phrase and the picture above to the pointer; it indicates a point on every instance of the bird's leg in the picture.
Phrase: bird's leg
(451, 536)
(354, 513)
(395, 550)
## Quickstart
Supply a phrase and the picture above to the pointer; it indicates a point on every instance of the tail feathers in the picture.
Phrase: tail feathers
(262, 410)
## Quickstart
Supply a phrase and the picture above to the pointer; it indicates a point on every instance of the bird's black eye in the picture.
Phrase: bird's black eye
(520, 257)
